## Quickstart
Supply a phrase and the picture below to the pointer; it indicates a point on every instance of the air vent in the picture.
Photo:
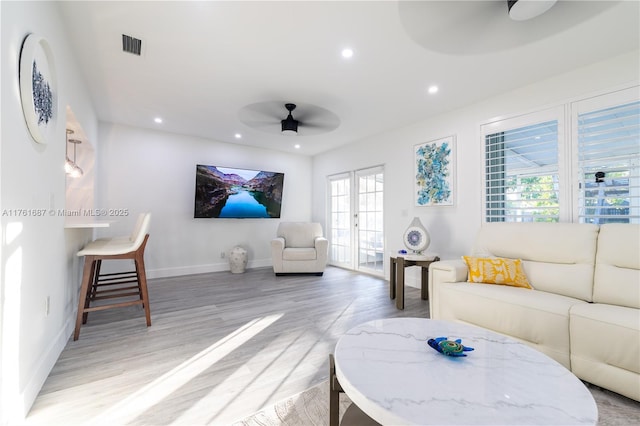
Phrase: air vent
(131, 45)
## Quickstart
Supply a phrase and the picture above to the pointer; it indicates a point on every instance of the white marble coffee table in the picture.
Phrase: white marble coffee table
(388, 370)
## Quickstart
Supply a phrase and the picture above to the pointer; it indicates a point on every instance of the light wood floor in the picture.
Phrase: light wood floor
(221, 347)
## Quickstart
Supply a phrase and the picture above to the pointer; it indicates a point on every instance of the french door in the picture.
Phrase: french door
(356, 231)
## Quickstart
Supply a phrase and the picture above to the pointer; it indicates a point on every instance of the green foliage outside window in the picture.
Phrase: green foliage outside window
(534, 198)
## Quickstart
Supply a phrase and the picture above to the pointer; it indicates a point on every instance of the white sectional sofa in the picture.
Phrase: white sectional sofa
(583, 310)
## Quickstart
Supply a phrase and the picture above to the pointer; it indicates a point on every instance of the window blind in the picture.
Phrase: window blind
(609, 165)
(521, 174)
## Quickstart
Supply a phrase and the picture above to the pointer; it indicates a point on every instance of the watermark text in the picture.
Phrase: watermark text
(65, 212)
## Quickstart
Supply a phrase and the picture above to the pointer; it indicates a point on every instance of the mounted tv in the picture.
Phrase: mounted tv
(223, 192)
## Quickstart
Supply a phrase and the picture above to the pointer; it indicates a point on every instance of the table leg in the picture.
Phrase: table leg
(400, 283)
(334, 394)
(392, 278)
(424, 291)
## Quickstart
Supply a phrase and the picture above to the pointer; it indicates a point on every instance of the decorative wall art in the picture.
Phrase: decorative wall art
(435, 172)
(38, 90)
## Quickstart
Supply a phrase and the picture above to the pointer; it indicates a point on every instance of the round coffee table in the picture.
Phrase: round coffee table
(388, 370)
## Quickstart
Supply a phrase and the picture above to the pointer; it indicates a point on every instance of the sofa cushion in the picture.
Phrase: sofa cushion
(299, 254)
(557, 257)
(299, 234)
(605, 347)
(496, 270)
(617, 273)
(537, 318)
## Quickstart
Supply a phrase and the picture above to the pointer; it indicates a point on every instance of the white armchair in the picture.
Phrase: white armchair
(299, 248)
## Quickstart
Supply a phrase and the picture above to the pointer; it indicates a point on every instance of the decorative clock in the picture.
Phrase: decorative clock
(38, 90)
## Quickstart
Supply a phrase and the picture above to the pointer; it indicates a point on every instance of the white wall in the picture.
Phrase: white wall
(453, 229)
(145, 170)
(37, 255)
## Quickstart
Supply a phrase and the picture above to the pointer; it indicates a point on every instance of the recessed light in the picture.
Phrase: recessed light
(158, 120)
(433, 89)
(297, 146)
(347, 53)
(238, 136)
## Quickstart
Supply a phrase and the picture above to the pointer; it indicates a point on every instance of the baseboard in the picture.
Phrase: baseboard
(201, 269)
(43, 369)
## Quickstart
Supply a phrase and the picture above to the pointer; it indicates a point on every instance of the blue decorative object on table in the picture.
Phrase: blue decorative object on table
(449, 347)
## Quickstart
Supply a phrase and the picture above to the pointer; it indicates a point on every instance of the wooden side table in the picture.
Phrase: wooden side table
(396, 275)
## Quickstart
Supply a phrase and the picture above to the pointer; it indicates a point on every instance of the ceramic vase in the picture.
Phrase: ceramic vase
(237, 260)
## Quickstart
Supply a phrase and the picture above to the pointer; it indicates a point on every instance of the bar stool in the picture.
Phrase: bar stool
(96, 286)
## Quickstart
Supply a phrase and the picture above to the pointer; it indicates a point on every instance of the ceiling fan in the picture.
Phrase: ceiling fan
(448, 27)
(306, 120)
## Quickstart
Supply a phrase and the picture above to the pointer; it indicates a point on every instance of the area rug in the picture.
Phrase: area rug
(311, 408)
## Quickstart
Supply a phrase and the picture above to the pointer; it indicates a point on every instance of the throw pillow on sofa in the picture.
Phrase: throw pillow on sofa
(496, 270)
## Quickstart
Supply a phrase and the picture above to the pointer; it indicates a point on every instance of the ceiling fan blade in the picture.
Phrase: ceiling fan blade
(312, 125)
(251, 113)
(261, 124)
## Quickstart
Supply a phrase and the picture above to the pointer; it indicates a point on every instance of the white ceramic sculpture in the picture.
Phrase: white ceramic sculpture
(416, 237)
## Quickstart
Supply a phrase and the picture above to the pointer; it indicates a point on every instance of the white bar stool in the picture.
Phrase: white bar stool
(96, 286)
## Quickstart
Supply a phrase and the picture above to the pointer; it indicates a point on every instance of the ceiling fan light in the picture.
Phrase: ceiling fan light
(289, 126)
(522, 10)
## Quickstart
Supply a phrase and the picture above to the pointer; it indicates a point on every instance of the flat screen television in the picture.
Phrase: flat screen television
(223, 192)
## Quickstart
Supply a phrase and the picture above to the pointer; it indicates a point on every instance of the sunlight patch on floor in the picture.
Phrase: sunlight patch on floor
(148, 396)
(216, 402)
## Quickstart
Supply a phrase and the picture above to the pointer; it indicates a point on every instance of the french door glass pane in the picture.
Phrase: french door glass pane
(370, 221)
(340, 238)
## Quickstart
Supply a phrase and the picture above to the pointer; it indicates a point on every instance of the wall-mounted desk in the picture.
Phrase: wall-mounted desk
(396, 275)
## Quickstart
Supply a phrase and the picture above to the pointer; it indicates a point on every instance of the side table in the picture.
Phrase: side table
(396, 275)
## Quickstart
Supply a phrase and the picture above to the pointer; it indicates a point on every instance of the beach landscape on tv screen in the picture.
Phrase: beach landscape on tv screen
(223, 192)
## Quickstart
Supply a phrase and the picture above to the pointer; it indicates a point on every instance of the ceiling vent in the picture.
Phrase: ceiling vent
(131, 45)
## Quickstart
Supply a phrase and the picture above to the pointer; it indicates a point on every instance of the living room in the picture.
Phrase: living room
(151, 169)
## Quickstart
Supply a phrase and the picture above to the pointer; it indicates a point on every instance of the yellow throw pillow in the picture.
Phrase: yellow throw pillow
(496, 270)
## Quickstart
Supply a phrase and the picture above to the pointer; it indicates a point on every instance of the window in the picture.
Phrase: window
(608, 167)
(522, 180)
(532, 175)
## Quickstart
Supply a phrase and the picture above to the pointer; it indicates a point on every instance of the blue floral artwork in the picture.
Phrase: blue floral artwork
(435, 173)
(42, 96)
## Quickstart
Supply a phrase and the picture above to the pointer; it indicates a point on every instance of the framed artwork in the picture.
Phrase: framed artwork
(38, 91)
(435, 172)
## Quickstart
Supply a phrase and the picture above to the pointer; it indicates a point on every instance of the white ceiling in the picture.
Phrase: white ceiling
(203, 62)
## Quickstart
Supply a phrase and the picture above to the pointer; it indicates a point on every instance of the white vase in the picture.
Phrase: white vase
(237, 260)
(416, 238)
